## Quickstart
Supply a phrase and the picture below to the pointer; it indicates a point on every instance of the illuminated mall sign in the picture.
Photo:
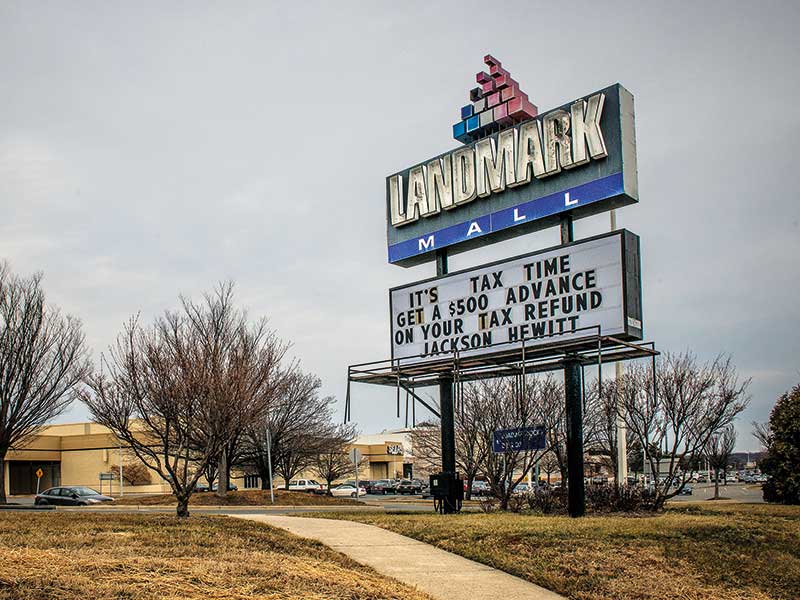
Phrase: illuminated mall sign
(580, 157)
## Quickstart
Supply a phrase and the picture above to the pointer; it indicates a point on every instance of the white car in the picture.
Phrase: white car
(303, 485)
(347, 490)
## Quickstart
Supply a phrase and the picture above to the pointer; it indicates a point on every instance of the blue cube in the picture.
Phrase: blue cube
(466, 111)
(459, 129)
(473, 123)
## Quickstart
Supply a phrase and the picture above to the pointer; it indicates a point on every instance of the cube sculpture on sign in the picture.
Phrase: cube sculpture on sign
(498, 102)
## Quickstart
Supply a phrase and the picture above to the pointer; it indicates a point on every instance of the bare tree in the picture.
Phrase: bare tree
(43, 358)
(719, 448)
(678, 415)
(426, 447)
(176, 391)
(471, 446)
(250, 357)
(333, 460)
(297, 423)
(510, 403)
(762, 432)
(601, 420)
(549, 464)
(551, 396)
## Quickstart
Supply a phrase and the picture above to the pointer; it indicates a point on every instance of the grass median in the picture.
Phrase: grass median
(239, 498)
(691, 552)
(102, 556)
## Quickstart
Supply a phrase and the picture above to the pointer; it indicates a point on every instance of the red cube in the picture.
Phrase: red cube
(508, 93)
(491, 60)
(501, 115)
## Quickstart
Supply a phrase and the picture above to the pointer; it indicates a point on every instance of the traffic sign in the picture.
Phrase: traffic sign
(39, 473)
(355, 456)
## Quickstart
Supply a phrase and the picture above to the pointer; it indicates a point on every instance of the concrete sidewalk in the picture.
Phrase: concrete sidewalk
(437, 572)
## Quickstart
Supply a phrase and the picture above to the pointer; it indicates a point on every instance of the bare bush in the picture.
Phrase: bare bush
(133, 473)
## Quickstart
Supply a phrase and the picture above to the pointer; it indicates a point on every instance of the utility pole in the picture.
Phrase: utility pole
(269, 466)
(622, 430)
(121, 484)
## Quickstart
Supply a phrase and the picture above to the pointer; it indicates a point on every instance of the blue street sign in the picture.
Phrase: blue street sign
(519, 440)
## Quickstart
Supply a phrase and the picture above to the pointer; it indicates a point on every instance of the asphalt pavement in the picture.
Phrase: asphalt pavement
(735, 492)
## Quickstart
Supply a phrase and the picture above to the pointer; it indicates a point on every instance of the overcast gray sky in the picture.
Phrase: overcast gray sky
(149, 149)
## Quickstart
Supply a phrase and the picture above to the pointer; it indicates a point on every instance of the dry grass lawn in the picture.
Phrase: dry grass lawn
(102, 556)
(692, 552)
(241, 498)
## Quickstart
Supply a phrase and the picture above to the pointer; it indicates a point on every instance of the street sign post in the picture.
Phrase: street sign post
(355, 456)
(106, 477)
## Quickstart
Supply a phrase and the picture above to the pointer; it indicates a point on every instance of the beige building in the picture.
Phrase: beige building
(89, 454)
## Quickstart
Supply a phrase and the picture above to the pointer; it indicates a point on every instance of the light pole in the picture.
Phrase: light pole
(269, 466)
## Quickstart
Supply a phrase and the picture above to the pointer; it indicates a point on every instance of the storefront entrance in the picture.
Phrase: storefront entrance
(22, 476)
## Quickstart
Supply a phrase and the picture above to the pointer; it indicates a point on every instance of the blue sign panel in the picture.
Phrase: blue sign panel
(513, 216)
(519, 440)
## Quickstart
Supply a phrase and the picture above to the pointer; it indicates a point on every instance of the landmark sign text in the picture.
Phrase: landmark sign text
(580, 157)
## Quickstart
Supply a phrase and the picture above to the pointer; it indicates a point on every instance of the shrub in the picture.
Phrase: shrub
(488, 505)
(627, 498)
(782, 463)
(133, 473)
(546, 501)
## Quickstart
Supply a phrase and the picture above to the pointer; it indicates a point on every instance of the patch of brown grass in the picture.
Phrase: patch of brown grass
(240, 498)
(58, 556)
(692, 552)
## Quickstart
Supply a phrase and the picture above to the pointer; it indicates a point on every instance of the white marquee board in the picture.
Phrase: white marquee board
(540, 297)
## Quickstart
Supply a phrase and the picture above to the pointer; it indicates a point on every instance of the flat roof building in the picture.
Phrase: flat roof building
(78, 453)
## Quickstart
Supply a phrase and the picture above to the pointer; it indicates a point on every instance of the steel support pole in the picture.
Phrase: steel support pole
(446, 406)
(448, 424)
(574, 406)
(573, 388)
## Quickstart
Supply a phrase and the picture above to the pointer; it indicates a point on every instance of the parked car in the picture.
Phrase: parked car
(390, 486)
(232, 487)
(380, 486)
(303, 485)
(521, 488)
(346, 490)
(686, 490)
(71, 496)
(480, 488)
(201, 487)
(408, 486)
